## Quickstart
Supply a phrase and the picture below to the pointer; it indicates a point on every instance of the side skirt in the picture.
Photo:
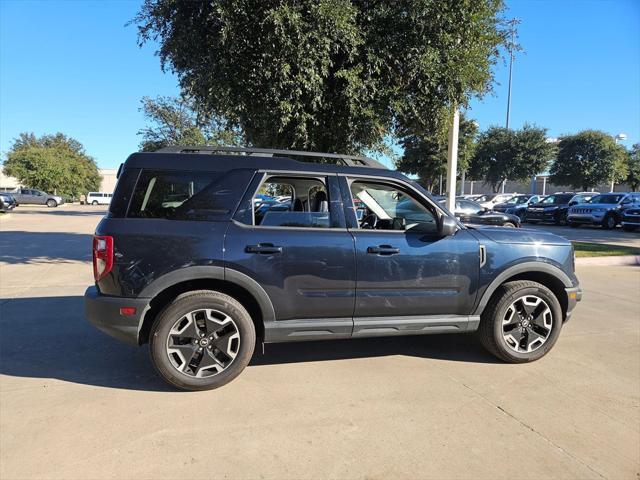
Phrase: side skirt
(362, 327)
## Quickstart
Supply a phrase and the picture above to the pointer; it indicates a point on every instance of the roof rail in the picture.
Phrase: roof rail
(313, 157)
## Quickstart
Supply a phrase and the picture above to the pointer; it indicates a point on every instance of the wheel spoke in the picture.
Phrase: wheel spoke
(224, 343)
(207, 362)
(186, 353)
(534, 339)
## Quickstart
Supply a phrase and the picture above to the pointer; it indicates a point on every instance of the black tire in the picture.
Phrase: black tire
(629, 228)
(95, 202)
(51, 203)
(490, 331)
(574, 224)
(561, 219)
(181, 306)
(609, 222)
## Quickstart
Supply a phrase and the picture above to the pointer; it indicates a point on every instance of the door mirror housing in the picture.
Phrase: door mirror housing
(448, 226)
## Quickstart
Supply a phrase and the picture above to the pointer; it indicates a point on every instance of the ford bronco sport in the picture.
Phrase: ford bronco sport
(207, 251)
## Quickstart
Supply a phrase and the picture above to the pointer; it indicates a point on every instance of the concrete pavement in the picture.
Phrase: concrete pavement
(75, 403)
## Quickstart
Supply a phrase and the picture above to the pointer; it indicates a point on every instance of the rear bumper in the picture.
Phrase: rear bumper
(103, 312)
(574, 295)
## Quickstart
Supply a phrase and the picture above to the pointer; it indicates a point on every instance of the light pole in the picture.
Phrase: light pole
(511, 46)
(622, 137)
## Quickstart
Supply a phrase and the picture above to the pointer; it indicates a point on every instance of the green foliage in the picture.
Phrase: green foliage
(329, 75)
(633, 167)
(504, 154)
(587, 159)
(176, 121)
(53, 163)
(427, 156)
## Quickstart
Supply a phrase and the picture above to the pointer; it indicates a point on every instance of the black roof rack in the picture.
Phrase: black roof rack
(313, 157)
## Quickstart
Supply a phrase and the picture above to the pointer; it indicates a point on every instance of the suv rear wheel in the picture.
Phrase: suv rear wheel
(521, 323)
(202, 340)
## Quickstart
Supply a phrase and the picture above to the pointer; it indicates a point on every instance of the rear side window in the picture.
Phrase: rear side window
(187, 195)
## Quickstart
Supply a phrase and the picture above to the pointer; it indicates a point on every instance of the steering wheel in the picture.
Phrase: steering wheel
(369, 222)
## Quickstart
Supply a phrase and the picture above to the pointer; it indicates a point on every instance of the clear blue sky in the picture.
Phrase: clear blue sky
(73, 67)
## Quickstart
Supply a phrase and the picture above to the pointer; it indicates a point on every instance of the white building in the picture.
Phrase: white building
(108, 183)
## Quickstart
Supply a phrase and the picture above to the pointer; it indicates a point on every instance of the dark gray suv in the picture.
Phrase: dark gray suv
(206, 251)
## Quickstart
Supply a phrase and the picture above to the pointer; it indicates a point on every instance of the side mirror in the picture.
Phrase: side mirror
(448, 226)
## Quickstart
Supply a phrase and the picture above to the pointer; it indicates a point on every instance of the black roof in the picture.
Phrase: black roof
(227, 158)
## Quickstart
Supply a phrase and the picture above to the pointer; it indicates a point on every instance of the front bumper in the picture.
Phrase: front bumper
(574, 295)
(583, 218)
(103, 312)
(542, 216)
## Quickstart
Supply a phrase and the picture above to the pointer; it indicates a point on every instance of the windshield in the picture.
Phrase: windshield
(556, 199)
(606, 199)
(517, 200)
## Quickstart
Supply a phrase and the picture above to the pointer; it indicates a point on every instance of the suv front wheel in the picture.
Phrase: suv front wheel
(202, 340)
(521, 323)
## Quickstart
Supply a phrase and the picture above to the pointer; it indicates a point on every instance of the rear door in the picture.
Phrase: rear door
(294, 243)
(401, 272)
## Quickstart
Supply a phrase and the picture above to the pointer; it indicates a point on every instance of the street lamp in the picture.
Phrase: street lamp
(619, 137)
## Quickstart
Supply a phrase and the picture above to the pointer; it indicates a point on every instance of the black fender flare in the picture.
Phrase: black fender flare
(213, 272)
(517, 269)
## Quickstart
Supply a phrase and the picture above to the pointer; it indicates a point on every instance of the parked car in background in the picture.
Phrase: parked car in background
(631, 217)
(551, 209)
(30, 196)
(472, 213)
(517, 205)
(491, 200)
(471, 196)
(7, 202)
(604, 209)
(99, 198)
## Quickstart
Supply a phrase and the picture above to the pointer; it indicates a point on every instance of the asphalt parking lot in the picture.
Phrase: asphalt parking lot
(75, 403)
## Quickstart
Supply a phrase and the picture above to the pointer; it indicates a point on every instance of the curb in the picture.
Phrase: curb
(612, 260)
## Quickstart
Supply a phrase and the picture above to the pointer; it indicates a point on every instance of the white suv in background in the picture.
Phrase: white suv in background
(99, 198)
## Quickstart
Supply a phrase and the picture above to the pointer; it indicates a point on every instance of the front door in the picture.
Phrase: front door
(401, 272)
(289, 236)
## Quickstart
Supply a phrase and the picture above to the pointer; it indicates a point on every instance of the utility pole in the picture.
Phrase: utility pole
(511, 46)
(452, 161)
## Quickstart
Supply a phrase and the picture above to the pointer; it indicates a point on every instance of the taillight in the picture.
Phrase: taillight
(102, 256)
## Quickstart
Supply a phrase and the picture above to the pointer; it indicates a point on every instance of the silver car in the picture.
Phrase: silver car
(32, 196)
(605, 209)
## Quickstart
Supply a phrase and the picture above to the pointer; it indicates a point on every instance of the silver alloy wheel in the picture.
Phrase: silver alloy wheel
(203, 343)
(527, 324)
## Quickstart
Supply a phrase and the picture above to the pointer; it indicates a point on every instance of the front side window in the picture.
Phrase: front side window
(386, 207)
(301, 202)
(177, 195)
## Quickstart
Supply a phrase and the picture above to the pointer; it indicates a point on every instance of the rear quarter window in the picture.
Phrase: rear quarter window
(188, 195)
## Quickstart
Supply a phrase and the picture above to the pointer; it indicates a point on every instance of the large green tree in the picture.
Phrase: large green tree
(331, 75)
(54, 163)
(633, 168)
(177, 121)
(426, 157)
(503, 154)
(587, 159)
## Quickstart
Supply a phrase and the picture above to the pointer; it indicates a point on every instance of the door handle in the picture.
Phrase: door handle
(383, 250)
(263, 248)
